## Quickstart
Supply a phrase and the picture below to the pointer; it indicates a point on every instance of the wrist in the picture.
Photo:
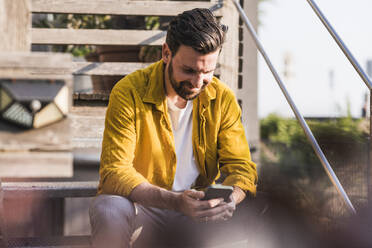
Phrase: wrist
(238, 195)
(170, 199)
(176, 201)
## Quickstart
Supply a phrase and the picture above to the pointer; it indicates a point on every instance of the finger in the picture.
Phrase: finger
(229, 214)
(195, 194)
(231, 199)
(220, 217)
(209, 204)
(215, 202)
(223, 216)
(222, 212)
(232, 205)
(212, 211)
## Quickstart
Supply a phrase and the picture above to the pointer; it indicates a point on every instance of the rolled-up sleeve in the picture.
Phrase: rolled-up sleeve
(117, 174)
(233, 150)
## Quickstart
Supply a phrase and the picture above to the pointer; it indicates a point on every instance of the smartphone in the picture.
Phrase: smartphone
(218, 191)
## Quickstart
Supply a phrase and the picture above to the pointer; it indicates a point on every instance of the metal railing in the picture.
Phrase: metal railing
(309, 135)
(341, 44)
(361, 73)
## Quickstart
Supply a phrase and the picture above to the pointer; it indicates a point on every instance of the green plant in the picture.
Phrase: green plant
(152, 53)
(291, 166)
(74, 21)
(78, 21)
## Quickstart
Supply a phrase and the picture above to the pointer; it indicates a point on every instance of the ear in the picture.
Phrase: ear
(166, 53)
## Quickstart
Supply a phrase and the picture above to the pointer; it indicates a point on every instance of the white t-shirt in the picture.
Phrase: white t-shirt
(186, 171)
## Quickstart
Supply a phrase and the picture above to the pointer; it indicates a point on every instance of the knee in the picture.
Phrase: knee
(108, 208)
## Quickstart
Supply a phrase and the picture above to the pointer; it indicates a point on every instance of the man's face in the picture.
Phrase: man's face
(189, 71)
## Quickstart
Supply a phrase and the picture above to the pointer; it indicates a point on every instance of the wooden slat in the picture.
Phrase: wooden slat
(61, 61)
(103, 96)
(41, 64)
(30, 73)
(36, 65)
(36, 164)
(111, 68)
(50, 138)
(97, 36)
(15, 25)
(119, 7)
(87, 126)
(107, 69)
(49, 189)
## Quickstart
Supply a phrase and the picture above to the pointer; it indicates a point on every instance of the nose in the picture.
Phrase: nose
(198, 80)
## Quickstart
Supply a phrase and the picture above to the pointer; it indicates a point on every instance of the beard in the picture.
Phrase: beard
(182, 88)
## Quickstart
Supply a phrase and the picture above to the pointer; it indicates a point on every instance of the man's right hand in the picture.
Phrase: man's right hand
(214, 210)
(188, 202)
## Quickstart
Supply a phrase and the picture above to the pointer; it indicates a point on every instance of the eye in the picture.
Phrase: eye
(188, 71)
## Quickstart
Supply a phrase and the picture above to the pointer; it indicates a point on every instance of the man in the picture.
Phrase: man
(171, 130)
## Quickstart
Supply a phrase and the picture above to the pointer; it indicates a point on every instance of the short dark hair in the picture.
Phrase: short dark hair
(197, 28)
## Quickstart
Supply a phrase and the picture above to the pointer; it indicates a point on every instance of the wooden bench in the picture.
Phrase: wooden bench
(42, 190)
(49, 189)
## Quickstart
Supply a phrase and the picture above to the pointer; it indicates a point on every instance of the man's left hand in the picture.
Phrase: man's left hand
(226, 214)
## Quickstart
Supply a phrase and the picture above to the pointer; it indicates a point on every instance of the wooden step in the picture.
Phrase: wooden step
(49, 189)
(58, 241)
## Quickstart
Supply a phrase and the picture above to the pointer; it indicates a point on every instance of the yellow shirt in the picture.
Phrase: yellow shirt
(138, 143)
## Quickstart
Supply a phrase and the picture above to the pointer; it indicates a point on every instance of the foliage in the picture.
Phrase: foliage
(288, 131)
(287, 135)
(78, 21)
(75, 21)
(294, 165)
(152, 22)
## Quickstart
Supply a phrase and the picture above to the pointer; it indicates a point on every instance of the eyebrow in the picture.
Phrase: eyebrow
(190, 68)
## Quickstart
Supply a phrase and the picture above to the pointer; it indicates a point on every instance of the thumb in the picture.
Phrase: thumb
(195, 194)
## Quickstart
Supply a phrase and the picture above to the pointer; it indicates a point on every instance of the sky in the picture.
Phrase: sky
(319, 78)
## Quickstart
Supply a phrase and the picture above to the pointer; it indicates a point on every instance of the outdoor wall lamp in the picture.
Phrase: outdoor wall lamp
(33, 103)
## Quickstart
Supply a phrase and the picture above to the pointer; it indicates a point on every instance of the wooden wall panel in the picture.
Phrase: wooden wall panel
(36, 164)
(108, 68)
(97, 36)
(119, 7)
(248, 93)
(87, 126)
(229, 57)
(15, 25)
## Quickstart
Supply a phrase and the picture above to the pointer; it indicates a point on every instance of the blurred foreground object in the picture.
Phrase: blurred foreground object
(35, 93)
(33, 103)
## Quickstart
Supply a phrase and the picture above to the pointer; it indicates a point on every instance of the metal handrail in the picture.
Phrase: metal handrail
(332, 176)
(356, 66)
(341, 44)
